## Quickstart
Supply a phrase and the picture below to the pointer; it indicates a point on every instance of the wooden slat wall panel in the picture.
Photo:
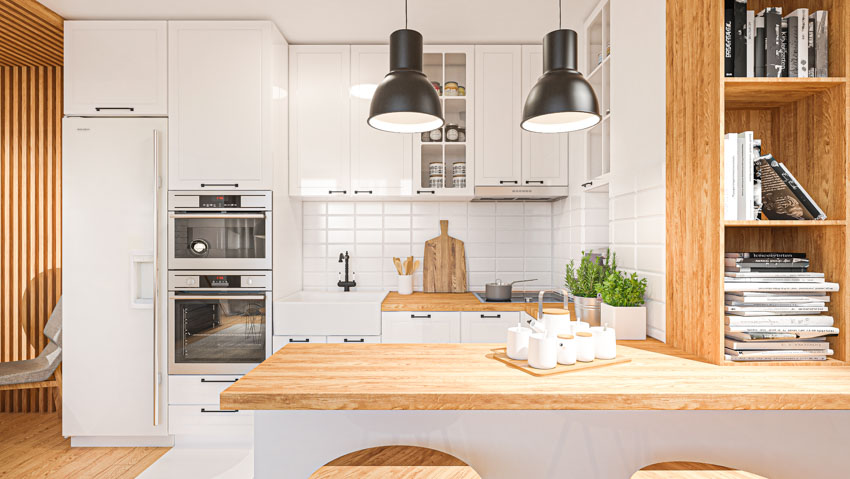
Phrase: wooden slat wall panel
(30, 34)
(30, 218)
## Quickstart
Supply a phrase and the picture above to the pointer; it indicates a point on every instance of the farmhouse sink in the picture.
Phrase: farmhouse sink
(329, 313)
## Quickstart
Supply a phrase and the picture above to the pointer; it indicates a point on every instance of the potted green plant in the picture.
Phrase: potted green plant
(583, 282)
(623, 305)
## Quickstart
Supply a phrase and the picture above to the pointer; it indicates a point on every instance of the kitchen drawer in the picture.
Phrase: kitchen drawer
(354, 339)
(281, 341)
(487, 326)
(420, 327)
(198, 389)
(207, 424)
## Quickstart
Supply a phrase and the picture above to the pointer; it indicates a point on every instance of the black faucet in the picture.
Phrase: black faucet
(346, 284)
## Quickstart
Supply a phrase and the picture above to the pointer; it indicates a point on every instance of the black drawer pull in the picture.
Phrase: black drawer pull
(205, 380)
(534, 182)
(421, 316)
(337, 192)
(585, 185)
(361, 340)
(419, 192)
(204, 185)
(368, 192)
(203, 409)
(493, 316)
(508, 182)
(101, 108)
(299, 340)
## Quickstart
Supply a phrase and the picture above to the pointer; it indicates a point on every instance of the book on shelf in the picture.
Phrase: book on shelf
(760, 53)
(739, 299)
(765, 255)
(774, 345)
(811, 27)
(745, 150)
(751, 44)
(772, 279)
(739, 38)
(731, 175)
(760, 306)
(780, 287)
(728, 36)
(783, 51)
(776, 357)
(773, 274)
(820, 28)
(798, 43)
(772, 41)
(768, 321)
(760, 269)
(768, 262)
(772, 310)
(782, 196)
(750, 333)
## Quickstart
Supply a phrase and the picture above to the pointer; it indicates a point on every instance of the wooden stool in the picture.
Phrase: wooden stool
(397, 462)
(691, 470)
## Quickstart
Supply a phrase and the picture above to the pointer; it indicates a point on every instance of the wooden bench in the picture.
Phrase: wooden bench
(55, 382)
(397, 462)
(691, 470)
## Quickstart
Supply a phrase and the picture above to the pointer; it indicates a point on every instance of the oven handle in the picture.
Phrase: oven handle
(218, 216)
(258, 297)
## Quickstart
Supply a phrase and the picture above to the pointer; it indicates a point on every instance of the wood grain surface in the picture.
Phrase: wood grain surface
(691, 470)
(398, 462)
(445, 263)
(30, 34)
(462, 377)
(456, 302)
(501, 355)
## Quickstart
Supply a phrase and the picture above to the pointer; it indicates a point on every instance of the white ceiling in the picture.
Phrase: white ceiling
(355, 21)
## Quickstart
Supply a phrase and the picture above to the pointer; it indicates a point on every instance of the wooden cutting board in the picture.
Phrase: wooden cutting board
(501, 355)
(445, 263)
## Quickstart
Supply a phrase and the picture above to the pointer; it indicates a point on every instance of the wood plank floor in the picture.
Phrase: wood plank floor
(32, 446)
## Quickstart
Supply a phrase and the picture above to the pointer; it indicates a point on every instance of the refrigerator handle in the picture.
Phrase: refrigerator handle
(156, 373)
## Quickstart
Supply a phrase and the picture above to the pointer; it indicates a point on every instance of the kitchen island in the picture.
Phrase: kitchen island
(319, 401)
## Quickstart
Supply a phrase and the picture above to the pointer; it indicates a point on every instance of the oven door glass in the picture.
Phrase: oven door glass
(220, 329)
(219, 236)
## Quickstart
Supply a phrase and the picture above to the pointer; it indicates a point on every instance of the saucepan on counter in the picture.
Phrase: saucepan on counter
(500, 291)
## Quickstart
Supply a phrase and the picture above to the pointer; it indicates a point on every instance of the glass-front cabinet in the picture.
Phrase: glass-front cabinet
(443, 159)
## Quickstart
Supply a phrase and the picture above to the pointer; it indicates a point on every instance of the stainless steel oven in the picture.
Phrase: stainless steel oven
(219, 322)
(217, 230)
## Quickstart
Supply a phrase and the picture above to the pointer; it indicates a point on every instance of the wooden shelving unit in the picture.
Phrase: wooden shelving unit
(803, 122)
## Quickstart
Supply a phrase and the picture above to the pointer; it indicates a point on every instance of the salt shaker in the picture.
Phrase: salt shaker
(584, 346)
(566, 349)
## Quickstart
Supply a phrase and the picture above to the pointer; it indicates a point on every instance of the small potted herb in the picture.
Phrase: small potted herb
(623, 305)
(584, 281)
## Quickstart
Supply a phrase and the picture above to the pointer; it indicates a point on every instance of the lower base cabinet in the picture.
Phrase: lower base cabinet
(195, 417)
(420, 327)
(487, 327)
(281, 341)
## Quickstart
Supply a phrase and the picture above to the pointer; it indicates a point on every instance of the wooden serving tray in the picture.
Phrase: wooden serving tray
(501, 355)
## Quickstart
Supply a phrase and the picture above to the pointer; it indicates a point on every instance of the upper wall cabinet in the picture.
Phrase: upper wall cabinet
(497, 110)
(116, 68)
(380, 161)
(319, 120)
(222, 85)
(544, 155)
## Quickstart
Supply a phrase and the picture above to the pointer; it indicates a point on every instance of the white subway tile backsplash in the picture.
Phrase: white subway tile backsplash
(400, 250)
(538, 209)
(508, 222)
(423, 208)
(340, 208)
(624, 232)
(651, 230)
(397, 222)
(482, 209)
(397, 236)
(364, 222)
(397, 208)
(508, 250)
(480, 279)
(481, 264)
(315, 250)
(509, 264)
(368, 208)
(453, 209)
(538, 222)
(340, 222)
(314, 236)
(651, 259)
(311, 208)
(370, 250)
(480, 250)
(421, 236)
(482, 223)
(315, 265)
(651, 202)
(369, 236)
(340, 236)
(314, 222)
(513, 209)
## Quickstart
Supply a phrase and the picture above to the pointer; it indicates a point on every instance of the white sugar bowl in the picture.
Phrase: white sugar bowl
(604, 342)
(566, 349)
(584, 347)
(542, 351)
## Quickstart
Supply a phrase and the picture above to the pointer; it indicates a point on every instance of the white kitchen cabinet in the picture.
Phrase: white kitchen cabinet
(380, 161)
(420, 327)
(281, 341)
(498, 108)
(544, 155)
(192, 389)
(116, 68)
(319, 120)
(223, 79)
(353, 339)
(208, 425)
(486, 326)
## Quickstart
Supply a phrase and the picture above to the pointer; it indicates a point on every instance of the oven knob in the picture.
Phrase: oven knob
(190, 281)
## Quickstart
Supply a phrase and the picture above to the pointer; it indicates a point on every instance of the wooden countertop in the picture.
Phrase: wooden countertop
(455, 302)
(462, 377)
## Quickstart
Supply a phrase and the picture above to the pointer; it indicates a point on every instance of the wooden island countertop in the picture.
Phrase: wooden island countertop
(455, 302)
(463, 377)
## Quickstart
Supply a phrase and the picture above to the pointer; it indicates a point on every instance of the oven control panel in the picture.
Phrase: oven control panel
(210, 280)
(219, 201)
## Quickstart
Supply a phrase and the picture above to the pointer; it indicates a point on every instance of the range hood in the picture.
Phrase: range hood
(519, 193)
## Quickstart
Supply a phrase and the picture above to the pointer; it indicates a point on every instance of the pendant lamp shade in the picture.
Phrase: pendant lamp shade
(405, 101)
(561, 100)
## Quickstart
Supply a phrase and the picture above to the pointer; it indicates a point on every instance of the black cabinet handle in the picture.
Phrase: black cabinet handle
(337, 192)
(419, 192)
(361, 340)
(508, 182)
(102, 108)
(421, 316)
(368, 192)
(299, 340)
(235, 185)
(205, 380)
(494, 316)
(534, 182)
(589, 183)
(203, 409)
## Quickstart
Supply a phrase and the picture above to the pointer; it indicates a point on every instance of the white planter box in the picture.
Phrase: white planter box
(629, 323)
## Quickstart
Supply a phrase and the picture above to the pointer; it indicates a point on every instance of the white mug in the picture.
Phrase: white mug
(542, 351)
(566, 349)
(584, 347)
(405, 284)
(518, 342)
(604, 342)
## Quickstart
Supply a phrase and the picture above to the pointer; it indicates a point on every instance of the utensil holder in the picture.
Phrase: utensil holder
(405, 284)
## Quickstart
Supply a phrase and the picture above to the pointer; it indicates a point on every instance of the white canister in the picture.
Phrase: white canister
(459, 181)
(436, 168)
(436, 181)
(576, 326)
(459, 168)
(604, 342)
(584, 347)
(566, 349)
(557, 321)
(543, 351)
(518, 342)
(405, 284)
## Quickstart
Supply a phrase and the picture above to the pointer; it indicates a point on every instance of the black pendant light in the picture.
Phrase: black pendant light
(405, 101)
(561, 100)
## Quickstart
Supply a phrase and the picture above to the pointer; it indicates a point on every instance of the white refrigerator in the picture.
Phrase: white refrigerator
(113, 279)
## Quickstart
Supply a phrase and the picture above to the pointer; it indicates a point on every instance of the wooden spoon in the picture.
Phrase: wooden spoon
(415, 266)
(397, 263)
(408, 265)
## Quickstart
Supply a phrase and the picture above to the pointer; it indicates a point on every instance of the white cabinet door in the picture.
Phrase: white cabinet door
(381, 162)
(281, 341)
(116, 68)
(319, 120)
(220, 105)
(497, 115)
(545, 156)
(187, 389)
(486, 327)
(354, 339)
(420, 327)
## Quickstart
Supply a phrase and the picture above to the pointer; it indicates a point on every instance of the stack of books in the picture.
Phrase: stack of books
(757, 185)
(768, 44)
(775, 308)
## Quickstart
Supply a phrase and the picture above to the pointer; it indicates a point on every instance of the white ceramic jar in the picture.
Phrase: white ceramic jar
(436, 168)
(604, 342)
(405, 284)
(576, 326)
(436, 181)
(566, 349)
(556, 321)
(459, 168)
(542, 351)
(584, 347)
(518, 342)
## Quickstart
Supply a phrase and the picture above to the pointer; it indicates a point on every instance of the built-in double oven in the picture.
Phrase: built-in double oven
(219, 281)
